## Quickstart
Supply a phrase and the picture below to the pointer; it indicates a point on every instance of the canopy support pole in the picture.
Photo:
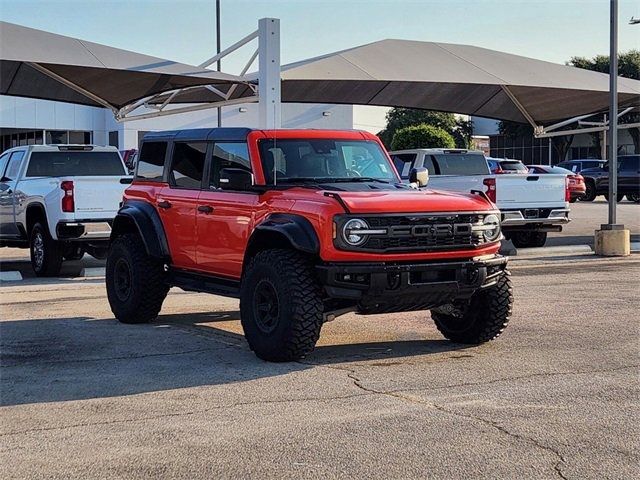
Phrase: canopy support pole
(521, 108)
(269, 106)
(73, 86)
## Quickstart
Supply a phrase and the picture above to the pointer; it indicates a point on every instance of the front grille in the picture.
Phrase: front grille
(411, 233)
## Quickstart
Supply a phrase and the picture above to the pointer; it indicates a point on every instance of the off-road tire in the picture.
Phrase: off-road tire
(484, 319)
(46, 254)
(289, 331)
(590, 193)
(619, 197)
(136, 285)
(529, 239)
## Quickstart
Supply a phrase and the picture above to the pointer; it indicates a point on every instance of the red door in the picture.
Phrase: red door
(177, 209)
(223, 231)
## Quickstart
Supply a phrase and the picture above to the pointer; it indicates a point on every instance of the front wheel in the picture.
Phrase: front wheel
(482, 319)
(281, 305)
(590, 193)
(529, 239)
(619, 197)
(135, 281)
(634, 197)
(46, 257)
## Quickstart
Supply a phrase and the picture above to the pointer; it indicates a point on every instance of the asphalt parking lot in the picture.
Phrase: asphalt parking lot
(384, 396)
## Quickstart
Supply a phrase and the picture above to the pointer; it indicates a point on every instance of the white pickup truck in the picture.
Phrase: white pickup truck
(531, 205)
(60, 201)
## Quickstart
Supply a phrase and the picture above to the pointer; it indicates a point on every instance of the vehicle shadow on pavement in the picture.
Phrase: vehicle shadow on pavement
(78, 358)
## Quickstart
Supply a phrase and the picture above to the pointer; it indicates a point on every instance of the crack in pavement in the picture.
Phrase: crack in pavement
(184, 414)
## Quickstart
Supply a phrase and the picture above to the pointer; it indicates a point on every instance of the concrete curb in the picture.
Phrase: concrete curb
(548, 251)
(635, 247)
(93, 272)
(13, 276)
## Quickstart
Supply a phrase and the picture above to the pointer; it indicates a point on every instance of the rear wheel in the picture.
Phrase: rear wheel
(135, 281)
(46, 257)
(590, 193)
(529, 239)
(619, 197)
(281, 305)
(634, 197)
(482, 319)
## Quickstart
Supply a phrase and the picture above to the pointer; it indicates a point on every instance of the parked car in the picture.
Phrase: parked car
(302, 226)
(59, 201)
(505, 165)
(531, 205)
(577, 187)
(597, 179)
(576, 166)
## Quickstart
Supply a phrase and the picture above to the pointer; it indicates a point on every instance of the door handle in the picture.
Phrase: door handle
(164, 204)
(205, 209)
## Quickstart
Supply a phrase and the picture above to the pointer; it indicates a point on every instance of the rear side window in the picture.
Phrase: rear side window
(74, 164)
(187, 165)
(14, 165)
(459, 164)
(151, 161)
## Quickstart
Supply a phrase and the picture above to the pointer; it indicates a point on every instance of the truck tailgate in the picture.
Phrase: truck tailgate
(97, 197)
(530, 191)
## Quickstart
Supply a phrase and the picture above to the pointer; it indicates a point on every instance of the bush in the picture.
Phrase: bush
(422, 136)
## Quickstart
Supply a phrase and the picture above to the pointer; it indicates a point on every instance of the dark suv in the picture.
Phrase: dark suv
(597, 179)
(302, 226)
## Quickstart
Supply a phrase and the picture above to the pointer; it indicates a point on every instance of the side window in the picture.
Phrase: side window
(187, 164)
(403, 163)
(4, 159)
(13, 168)
(151, 161)
(630, 164)
(228, 155)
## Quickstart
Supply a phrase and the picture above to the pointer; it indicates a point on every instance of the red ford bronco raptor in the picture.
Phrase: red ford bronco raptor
(302, 226)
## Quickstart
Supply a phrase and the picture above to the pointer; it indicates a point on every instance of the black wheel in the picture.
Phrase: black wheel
(46, 257)
(573, 200)
(482, 319)
(634, 197)
(281, 305)
(619, 197)
(73, 252)
(528, 239)
(135, 281)
(590, 194)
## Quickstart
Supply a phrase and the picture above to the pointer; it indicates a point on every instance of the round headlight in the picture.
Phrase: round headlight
(350, 231)
(491, 234)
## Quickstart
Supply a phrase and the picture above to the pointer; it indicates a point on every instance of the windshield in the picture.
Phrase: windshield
(74, 164)
(325, 161)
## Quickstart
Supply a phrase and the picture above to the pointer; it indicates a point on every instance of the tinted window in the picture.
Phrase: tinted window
(74, 164)
(228, 155)
(459, 164)
(151, 161)
(13, 167)
(3, 163)
(187, 166)
(514, 167)
(403, 163)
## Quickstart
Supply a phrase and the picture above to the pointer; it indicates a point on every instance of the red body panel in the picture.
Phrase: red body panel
(215, 242)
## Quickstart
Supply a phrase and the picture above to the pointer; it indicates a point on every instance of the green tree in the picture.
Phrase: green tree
(422, 136)
(398, 118)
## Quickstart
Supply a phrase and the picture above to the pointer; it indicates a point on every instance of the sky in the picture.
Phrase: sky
(184, 30)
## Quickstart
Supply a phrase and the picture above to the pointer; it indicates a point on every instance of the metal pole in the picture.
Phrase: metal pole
(269, 100)
(613, 113)
(219, 64)
(603, 147)
(549, 149)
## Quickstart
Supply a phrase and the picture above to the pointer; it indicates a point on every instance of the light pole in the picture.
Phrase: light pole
(219, 63)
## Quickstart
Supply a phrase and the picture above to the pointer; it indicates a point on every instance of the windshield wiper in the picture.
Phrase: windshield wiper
(360, 179)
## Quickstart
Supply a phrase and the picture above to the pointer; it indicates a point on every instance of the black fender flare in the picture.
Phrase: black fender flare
(148, 224)
(295, 228)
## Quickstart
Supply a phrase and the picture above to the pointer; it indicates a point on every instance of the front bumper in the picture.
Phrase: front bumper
(389, 287)
(84, 230)
(528, 216)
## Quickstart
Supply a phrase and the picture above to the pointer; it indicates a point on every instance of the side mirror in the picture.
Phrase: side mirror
(235, 179)
(420, 176)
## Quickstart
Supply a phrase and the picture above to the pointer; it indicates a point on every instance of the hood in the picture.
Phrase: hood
(412, 201)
